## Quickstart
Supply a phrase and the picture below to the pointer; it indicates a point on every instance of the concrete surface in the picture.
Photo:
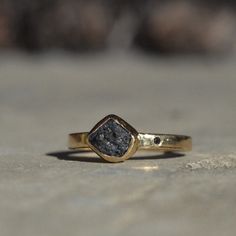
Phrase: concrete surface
(47, 191)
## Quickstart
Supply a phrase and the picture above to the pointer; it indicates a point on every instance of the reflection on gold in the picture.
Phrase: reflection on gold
(146, 168)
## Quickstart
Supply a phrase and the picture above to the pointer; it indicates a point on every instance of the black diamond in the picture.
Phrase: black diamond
(111, 139)
(157, 140)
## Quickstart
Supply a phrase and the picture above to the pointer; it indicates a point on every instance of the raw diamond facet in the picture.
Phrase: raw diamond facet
(111, 139)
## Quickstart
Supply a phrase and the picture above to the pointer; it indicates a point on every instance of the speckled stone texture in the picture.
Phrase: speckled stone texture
(111, 139)
(47, 190)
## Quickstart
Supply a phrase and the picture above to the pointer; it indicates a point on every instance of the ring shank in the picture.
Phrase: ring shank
(147, 141)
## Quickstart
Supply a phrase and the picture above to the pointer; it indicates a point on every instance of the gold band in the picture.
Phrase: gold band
(152, 142)
(114, 140)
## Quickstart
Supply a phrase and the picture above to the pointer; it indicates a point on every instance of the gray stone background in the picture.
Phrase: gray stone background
(164, 66)
(46, 190)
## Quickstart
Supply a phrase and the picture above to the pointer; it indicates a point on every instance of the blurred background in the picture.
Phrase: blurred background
(157, 26)
(165, 66)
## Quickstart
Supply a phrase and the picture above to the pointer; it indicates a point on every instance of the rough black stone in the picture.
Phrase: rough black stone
(111, 139)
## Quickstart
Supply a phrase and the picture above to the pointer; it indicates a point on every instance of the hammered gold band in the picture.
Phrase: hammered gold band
(114, 140)
(151, 142)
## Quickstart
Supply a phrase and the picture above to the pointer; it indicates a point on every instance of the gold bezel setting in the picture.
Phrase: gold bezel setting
(133, 145)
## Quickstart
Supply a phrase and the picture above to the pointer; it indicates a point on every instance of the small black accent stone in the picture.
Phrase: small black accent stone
(111, 139)
(157, 140)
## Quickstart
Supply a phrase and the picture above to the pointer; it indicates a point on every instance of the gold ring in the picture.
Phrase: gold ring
(114, 140)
